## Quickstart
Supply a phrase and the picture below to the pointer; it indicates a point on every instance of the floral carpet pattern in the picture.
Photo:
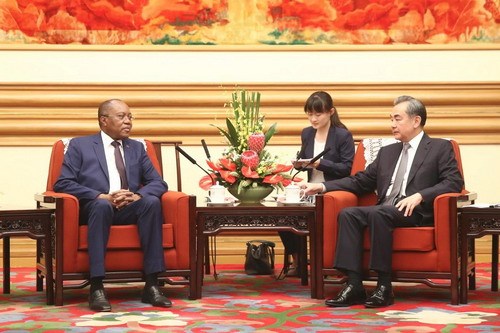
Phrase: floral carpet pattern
(236, 302)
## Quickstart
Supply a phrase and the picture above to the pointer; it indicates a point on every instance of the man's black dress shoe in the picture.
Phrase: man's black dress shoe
(348, 296)
(98, 301)
(382, 296)
(152, 295)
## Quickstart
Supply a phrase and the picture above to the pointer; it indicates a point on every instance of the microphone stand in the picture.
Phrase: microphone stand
(192, 160)
(314, 159)
(204, 144)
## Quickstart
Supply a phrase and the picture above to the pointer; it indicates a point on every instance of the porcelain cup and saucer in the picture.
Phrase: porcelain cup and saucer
(293, 195)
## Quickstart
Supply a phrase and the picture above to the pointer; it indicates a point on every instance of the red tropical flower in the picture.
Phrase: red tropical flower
(282, 168)
(207, 181)
(227, 164)
(249, 173)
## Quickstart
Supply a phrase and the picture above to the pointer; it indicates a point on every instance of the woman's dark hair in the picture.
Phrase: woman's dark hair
(321, 101)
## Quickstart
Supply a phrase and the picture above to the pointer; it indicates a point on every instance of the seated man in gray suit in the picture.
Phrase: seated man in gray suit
(407, 176)
(116, 183)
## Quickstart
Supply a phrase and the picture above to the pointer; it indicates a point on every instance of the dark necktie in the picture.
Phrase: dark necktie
(398, 180)
(120, 165)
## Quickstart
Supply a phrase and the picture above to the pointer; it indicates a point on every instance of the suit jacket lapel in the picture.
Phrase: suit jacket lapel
(126, 154)
(309, 149)
(330, 137)
(101, 157)
(420, 155)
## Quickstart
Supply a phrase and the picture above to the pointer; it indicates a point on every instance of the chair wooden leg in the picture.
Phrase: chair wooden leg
(455, 289)
(58, 287)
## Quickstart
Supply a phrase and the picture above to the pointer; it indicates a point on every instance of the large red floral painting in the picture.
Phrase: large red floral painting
(249, 22)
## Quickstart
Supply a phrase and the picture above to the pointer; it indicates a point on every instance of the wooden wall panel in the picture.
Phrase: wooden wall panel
(38, 114)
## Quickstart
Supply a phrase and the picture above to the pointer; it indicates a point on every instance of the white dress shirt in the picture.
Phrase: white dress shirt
(109, 151)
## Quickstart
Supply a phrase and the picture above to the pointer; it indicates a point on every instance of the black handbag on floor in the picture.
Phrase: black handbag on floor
(259, 258)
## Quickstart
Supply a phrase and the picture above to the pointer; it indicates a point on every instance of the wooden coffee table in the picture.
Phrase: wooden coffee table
(266, 216)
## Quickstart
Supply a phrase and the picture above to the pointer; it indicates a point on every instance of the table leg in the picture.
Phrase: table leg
(200, 250)
(302, 264)
(494, 263)
(472, 276)
(313, 258)
(6, 265)
(49, 278)
(39, 276)
(463, 261)
(207, 255)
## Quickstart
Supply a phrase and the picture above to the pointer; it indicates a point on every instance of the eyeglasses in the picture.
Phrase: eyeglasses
(120, 116)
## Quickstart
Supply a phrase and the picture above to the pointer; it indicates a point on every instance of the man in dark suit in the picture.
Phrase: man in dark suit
(405, 198)
(116, 183)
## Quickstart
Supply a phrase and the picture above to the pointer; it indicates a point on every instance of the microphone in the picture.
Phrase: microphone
(301, 151)
(204, 144)
(314, 159)
(192, 160)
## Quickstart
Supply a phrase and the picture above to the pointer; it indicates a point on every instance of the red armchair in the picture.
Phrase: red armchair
(124, 255)
(423, 254)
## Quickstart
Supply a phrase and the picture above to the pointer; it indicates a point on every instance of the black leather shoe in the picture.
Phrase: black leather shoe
(348, 296)
(152, 295)
(292, 272)
(98, 301)
(382, 296)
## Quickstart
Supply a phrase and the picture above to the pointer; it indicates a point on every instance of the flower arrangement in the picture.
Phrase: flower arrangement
(246, 163)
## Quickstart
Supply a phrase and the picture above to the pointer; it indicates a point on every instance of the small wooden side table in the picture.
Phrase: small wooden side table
(36, 223)
(475, 222)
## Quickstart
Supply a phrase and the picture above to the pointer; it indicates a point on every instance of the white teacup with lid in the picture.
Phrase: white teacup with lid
(293, 193)
(217, 193)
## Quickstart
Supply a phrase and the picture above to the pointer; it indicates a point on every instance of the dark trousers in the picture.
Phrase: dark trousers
(291, 242)
(380, 221)
(99, 215)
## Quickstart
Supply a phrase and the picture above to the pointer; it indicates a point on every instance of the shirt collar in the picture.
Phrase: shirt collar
(416, 140)
(107, 140)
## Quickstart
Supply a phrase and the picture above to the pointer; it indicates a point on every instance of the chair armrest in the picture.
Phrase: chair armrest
(333, 203)
(445, 225)
(176, 211)
(67, 227)
(466, 198)
(70, 211)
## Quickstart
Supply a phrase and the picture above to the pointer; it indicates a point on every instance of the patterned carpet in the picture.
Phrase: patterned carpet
(240, 303)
